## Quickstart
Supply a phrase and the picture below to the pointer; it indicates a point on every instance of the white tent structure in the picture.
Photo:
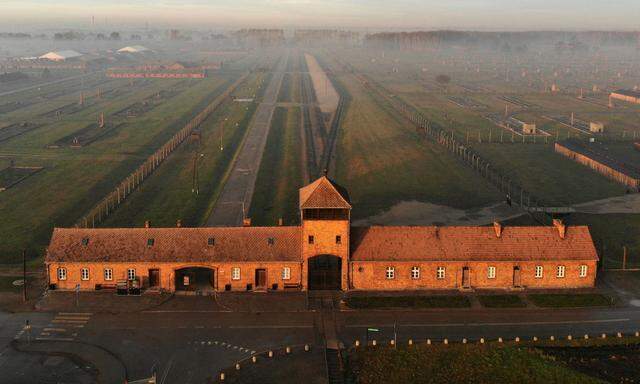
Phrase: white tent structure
(61, 55)
(133, 49)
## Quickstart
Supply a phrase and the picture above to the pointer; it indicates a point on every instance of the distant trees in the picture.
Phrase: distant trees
(69, 35)
(114, 36)
(443, 80)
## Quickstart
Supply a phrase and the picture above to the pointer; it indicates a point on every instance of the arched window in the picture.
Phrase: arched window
(62, 274)
(415, 273)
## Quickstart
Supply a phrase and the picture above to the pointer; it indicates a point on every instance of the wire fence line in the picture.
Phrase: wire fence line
(515, 194)
(129, 184)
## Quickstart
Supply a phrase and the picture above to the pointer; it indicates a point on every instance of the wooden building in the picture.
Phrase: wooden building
(626, 95)
(594, 158)
(324, 252)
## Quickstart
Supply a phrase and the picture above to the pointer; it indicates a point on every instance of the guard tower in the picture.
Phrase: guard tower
(325, 215)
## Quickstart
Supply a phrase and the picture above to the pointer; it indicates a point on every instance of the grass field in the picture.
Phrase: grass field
(501, 301)
(75, 179)
(460, 363)
(280, 175)
(381, 302)
(552, 300)
(383, 161)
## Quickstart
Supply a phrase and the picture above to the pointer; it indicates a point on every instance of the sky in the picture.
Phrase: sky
(355, 14)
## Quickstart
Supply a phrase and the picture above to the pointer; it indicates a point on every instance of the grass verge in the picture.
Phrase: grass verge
(501, 301)
(382, 302)
(555, 300)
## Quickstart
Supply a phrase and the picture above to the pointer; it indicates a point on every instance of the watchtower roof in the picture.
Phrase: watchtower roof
(324, 193)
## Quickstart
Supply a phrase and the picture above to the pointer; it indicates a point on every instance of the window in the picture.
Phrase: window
(415, 273)
(539, 271)
(440, 273)
(583, 271)
(286, 273)
(211, 242)
(560, 271)
(131, 274)
(338, 239)
(235, 273)
(62, 274)
(391, 272)
(491, 273)
(85, 241)
(271, 240)
(150, 242)
(84, 274)
(311, 239)
(108, 274)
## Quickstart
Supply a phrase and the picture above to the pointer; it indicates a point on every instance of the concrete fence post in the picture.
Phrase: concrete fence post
(270, 354)
(445, 341)
(254, 359)
(357, 343)
(306, 348)
(237, 366)
(428, 341)
(517, 339)
(482, 340)
(586, 336)
(373, 342)
(222, 376)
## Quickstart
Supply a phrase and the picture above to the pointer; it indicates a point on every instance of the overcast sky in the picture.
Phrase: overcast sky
(399, 14)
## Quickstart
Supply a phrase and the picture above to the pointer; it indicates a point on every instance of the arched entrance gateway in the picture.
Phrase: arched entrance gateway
(324, 272)
(198, 279)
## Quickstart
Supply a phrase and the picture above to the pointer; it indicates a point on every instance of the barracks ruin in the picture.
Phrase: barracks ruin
(323, 253)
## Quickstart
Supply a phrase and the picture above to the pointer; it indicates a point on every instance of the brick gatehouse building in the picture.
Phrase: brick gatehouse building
(324, 252)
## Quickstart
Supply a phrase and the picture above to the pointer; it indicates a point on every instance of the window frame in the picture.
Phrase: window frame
(390, 273)
(491, 272)
(235, 273)
(311, 239)
(561, 271)
(338, 239)
(211, 241)
(84, 270)
(415, 272)
(105, 273)
(439, 275)
(539, 268)
(129, 270)
(583, 270)
(286, 273)
(61, 273)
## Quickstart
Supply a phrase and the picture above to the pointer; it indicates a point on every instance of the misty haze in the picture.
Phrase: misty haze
(305, 191)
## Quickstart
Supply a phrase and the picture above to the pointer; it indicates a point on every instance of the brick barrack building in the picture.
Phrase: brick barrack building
(324, 252)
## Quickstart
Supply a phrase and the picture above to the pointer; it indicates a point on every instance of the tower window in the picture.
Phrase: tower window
(271, 240)
(211, 241)
(338, 239)
(150, 242)
(391, 273)
(311, 239)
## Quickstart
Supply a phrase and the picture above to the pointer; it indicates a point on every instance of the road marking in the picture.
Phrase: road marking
(268, 326)
(68, 321)
(492, 324)
(75, 313)
(54, 338)
(55, 330)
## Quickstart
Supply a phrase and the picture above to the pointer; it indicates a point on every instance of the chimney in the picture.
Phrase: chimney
(280, 222)
(246, 222)
(147, 224)
(498, 228)
(179, 223)
(562, 229)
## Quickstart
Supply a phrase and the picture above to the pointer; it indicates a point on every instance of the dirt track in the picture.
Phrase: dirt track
(236, 195)
(326, 94)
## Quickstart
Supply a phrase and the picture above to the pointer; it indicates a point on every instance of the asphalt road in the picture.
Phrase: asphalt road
(237, 193)
(193, 345)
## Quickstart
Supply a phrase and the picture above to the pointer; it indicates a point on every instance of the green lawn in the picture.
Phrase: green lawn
(552, 300)
(501, 301)
(280, 175)
(458, 363)
(382, 161)
(372, 302)
(74, 179)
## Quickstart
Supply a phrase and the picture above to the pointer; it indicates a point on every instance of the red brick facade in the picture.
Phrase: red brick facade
(325, 251)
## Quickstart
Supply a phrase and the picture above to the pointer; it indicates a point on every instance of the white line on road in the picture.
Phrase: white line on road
(55, 330)
(75, 313)
(54, 338)
(492, 324)
(268, 326)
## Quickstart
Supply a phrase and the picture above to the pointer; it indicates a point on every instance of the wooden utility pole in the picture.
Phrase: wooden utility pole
(624, 257)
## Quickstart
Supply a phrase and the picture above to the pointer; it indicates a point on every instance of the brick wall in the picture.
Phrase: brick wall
(222, 273)
(324, 234)
(372, 275)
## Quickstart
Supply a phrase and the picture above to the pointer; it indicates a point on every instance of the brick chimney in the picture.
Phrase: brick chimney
(562, 229)
(147, 224)
(246, 222)
(179, 223)
(498, 228)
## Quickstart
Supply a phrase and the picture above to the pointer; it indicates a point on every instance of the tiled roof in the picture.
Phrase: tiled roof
(175, 244)
(324, 193)
(470, 244)
(628, 92)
